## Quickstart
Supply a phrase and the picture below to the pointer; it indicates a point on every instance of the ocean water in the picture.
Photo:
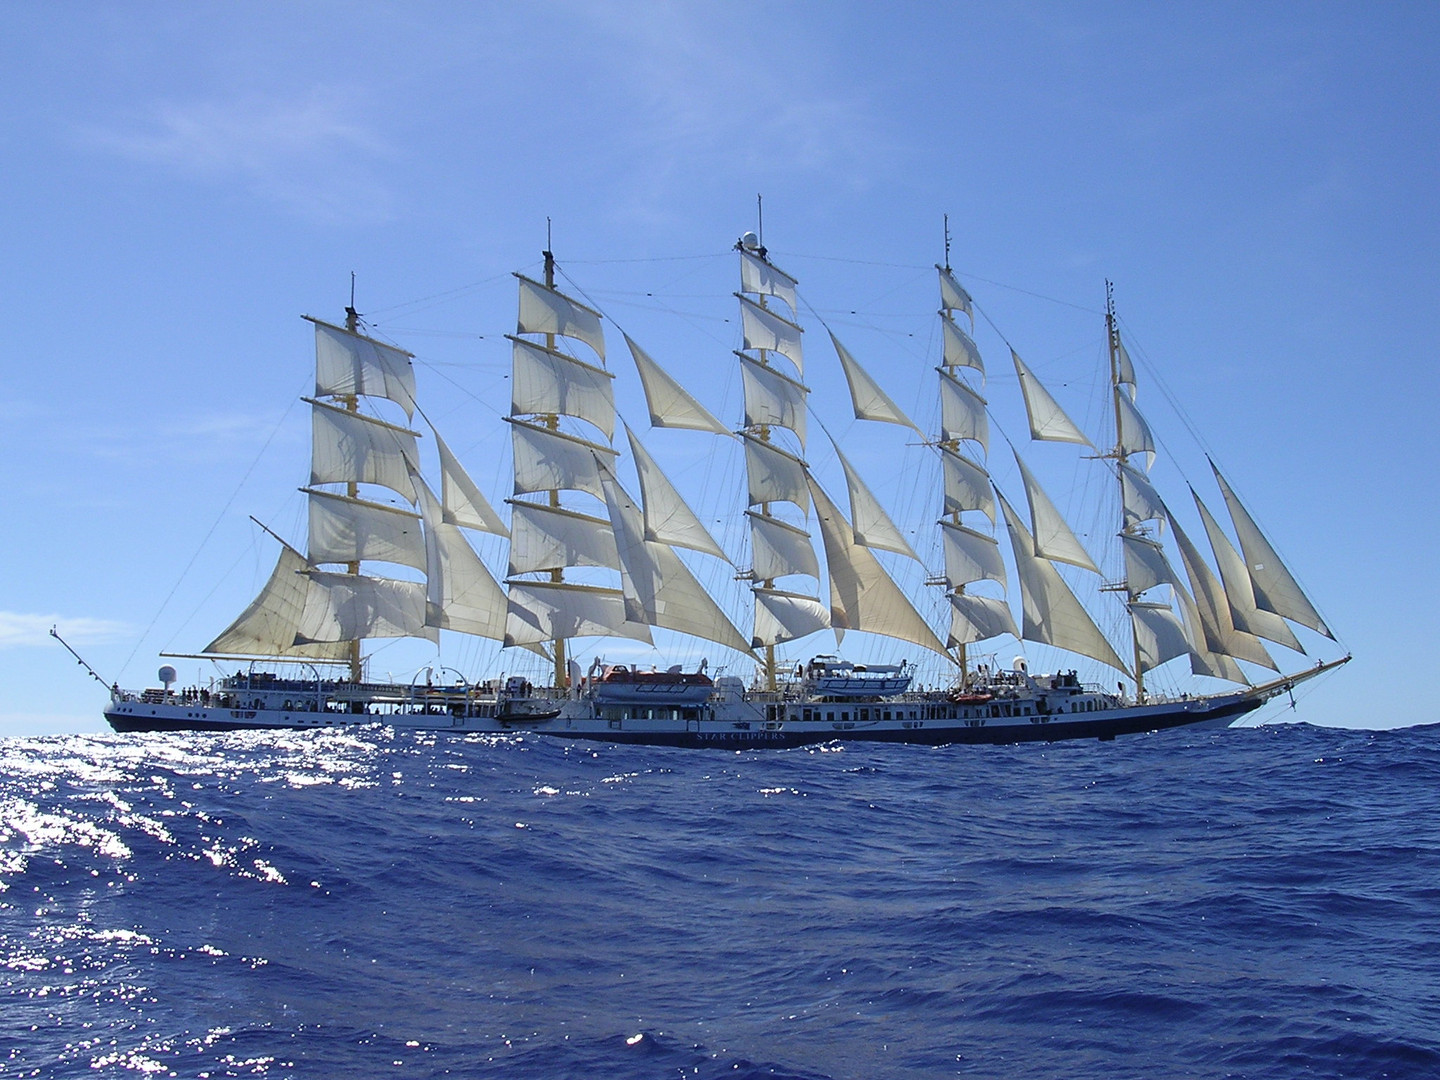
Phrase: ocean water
(1249, 903)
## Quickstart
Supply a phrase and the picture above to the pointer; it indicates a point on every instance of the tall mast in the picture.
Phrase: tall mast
(774, 398)
(764, 428)
(962, 655)
(1112, 337)
(552, 421)
(352, 489)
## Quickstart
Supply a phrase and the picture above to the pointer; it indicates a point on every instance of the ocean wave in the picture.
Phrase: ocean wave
(1254, 903)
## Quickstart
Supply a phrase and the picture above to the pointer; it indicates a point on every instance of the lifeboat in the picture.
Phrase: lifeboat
(621, 683)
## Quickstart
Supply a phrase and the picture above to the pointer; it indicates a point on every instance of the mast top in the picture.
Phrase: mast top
(754, 242)
(352, 317)
(549, 254)
(947, 243)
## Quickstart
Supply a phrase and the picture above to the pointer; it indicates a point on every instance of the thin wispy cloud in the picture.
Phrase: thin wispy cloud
(21, 630)
(703, 96)
(309, 152)
(206, 437)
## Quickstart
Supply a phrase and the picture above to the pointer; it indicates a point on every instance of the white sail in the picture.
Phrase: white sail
(763, 329)
(550, 538)
(1220, 633)
(779, 549)
(346, 530)
(872, 525)
(460, 592)
(543, 611)
(974, 617)
(269, 625)
(1142, 503)
(1126, 370)
(670, 404)
(551, 460)
(548, 382)
(953, 296)
(1218, 666)
(783, 616)
(1238, 588)
(1052, 614)
(1145, 564)
(1135, 437)
(774, 476)
(958, 349)
(348, 364)
(1054, 539)
(1202, 660)
(352, 607)
(772, 398)
(967, 485)
(759, 278)
(869, 401)
(1159, 634)
(970, 556)
(1275, 588)
(659, 589)
(547, 311)
(1048, 421)
(668, 518)
(962, 412)
(348, 447)
(862, 595)
(461, 501)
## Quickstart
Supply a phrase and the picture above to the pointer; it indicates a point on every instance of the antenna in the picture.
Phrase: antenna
(352, 319)
(1111, 324)
(549, 254)
(760, 219)
(947, 244)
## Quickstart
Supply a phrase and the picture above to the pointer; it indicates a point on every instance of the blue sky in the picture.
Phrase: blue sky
(182, 182)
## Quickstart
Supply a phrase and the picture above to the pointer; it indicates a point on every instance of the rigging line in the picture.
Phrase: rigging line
(1170, 397)
(458, 386)
(219, 580)
(991, 323)
(211, 531)
(814, 312)
(691, 317)
(1001, 335)
(655, 259)
(463, 334)
(447, 294)
(688, 317)
(959, 273)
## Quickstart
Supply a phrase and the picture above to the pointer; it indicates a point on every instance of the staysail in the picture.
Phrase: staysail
(1275, 588)
(1052, 614)
(659, 589)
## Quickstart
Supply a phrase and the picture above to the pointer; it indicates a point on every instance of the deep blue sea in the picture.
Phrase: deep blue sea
(1248, 903)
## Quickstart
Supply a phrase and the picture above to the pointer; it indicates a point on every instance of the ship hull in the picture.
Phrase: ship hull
(726, 726)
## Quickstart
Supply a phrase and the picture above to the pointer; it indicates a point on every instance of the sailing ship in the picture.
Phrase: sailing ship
(589, 560)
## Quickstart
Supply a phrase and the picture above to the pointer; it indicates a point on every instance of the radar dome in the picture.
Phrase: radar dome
(167, 675)
(750, 241)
